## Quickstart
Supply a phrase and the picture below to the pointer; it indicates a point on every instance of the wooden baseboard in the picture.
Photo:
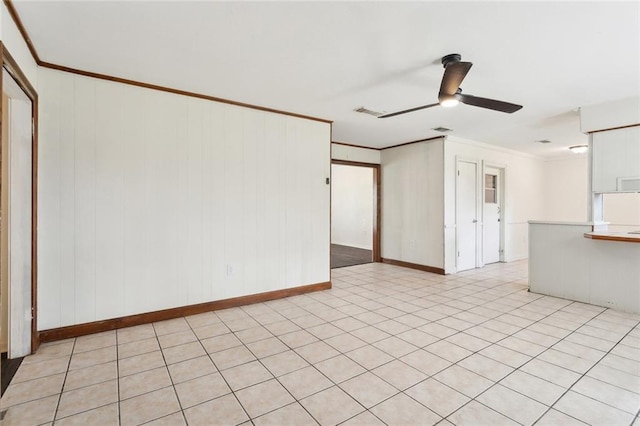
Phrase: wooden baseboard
(414, 266)
(165, 314)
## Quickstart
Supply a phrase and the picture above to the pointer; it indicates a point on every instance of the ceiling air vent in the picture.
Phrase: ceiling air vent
(367, 111)
(543, 141)
(441, 129)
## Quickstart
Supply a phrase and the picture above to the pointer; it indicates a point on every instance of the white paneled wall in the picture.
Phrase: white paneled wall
(352, 206)
(150, 200)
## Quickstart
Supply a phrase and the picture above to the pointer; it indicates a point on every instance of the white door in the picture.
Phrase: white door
(16, 217)
(467, 215)
(491, 216)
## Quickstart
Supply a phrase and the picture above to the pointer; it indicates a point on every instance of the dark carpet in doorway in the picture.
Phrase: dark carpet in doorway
(342, 256)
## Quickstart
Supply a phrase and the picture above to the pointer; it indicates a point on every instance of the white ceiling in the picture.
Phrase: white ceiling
(325, 59)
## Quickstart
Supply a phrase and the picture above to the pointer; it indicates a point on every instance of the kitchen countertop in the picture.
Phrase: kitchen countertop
(614, 236)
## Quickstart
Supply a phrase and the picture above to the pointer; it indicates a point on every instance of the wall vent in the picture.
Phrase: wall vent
(631, 184)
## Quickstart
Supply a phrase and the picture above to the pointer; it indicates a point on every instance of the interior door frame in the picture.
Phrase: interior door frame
(478, 205)
(501, 201)
(377, 257)
(12, 67)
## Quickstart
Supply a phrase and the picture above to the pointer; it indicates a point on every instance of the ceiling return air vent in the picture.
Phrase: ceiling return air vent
(441, 129)
(368, 111)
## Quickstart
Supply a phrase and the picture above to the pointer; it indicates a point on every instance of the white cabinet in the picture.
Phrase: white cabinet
(616, 160)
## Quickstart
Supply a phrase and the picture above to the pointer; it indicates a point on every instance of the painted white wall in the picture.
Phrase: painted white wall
(412, 203)
(524, 194)
(608, 115)
(622, 211)
(353, 153)
(566, 188)
(352, 206)
(150, 200)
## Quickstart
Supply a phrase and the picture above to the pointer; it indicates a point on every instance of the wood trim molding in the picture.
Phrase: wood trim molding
(175, 91)
(12, 67)
(165, 314)
(412, 142)
(355, 146)
(417, 266)
(23, 31)
(613, 128)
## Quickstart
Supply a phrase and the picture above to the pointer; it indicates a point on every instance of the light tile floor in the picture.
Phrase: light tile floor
(386, 345)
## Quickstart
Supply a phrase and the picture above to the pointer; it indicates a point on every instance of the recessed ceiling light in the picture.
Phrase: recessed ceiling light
(441, 129)
(579, 149)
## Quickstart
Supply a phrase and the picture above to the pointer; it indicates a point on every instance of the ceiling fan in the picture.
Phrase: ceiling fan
(450, 93)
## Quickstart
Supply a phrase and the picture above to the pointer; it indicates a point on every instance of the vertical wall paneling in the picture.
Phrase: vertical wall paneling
(158, 200)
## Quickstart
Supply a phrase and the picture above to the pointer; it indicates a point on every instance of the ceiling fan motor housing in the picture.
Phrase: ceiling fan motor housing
(451, 59)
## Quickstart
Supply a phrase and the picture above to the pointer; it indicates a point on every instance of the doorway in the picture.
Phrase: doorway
(355, 218)
(18, 212)
(492, 215)
(466, 215)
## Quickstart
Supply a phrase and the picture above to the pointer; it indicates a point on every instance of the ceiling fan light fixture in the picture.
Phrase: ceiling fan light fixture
(449, 102)
(579, 149)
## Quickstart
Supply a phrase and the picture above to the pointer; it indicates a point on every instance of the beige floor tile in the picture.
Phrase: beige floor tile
(467, 342)
(333, 397)
(534, 387)
(395, 347)
(147, 381)
(93, 357)
(40, 369)
(626, 351)
(316, 352)
(232, 357)
(556, 418)
(281, 327)
(464, 381)
(248, 374)
(438, 397)
(91, 375)
(267, 347)
(564, 360)
(292, 414)
(297, 338)
(591, 411)
(448, 351)
(417, 338)
(485, 334)
(284, 362)
(364, 419)
(176, 339)
(345, 342)
(253, 334)
(263, 398)
(399, 374)
(138, 347)
(538, 338)
(140, 363)
(149, 406)
(171, 326)
(621, 363)
(617, 397)
(94, 341)
(506, 356)
(304, 382)
(48, 351)
(522, 346)
(31, 413)
(512, 404)
(615, 377)
(402, 410)
(18, 393)
(241, 324)
(349, 324)
(175, 419)
(474, 414)
(227, 411)
(105, 415)
(87, 398)
(369, 357)
(368, 389)
(550, 372)
(425, 362)
(202, 320)
(339, 368)
(324, 331)
(183, 352)
(132, 334)
(221, 343)
(370, 334)
(201, 389)
(486, 367)
(190, 369)
(392, 326)
(211, 330)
